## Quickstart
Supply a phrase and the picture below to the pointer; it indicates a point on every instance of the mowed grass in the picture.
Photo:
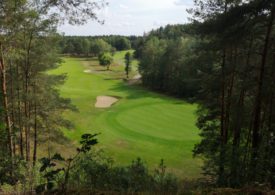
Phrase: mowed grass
(141, 124)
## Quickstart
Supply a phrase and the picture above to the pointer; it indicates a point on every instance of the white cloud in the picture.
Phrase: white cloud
(122, 6)
(133, 17)
(122, 24)
(163, 23)
(159, 23)
(183, 2)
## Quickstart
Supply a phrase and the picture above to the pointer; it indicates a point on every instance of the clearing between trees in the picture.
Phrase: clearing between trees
(141, 124)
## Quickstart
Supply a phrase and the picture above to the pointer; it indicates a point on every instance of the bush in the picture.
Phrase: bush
(94, 172)
(105, 59)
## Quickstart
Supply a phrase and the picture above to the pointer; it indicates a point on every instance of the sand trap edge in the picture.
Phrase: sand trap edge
(105, 101)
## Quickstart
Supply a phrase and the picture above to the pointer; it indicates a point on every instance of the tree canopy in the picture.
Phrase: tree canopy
(105, 59)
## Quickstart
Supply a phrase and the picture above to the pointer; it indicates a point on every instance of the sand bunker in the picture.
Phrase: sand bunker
(87, 71)
(138, 76)
(135, 80)
(105, 101)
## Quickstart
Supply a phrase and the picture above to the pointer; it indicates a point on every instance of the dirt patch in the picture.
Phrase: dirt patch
(105, 101)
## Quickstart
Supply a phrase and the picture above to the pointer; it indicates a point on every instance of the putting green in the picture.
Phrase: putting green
(158, 121)
(141, 124)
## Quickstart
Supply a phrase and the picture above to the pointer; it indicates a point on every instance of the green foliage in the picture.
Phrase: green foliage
(50, 173)
(82, 45)
(10, 171)
(99, 46)
(150, 65)
(138, 47)
(87, 141)
(164, 182)
(113, 51)
(105, 59)
(167, 62)
(95, 172)
(18, 176)
(122, 44)
(139, 179)
(3, 139)
(31, 104)
(128, 60)
(92, 170)
(236, 102)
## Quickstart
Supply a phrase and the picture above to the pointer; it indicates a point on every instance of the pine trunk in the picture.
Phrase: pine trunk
(35, 131)
(6, 102)
(12, 110)
(258, 99)
(222, 133)
(19, 115)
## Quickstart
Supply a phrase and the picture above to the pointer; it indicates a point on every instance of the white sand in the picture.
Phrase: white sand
(105, 101)
(87, 71)
(138, 76)
(135, 80)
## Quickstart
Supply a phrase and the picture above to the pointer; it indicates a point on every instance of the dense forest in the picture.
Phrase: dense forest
(166, 60)
(223, 60)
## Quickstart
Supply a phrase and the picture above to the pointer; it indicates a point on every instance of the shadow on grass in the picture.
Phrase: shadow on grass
(113, 79)
(87, 59)
(139, 91)
(134, 91)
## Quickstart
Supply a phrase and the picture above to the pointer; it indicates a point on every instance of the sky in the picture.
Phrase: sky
(133, 17)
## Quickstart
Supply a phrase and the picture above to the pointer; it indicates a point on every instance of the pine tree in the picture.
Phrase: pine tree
(128, 60)
(233, 115)
(32, 106)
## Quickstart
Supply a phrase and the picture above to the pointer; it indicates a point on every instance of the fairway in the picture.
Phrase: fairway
(140, 124)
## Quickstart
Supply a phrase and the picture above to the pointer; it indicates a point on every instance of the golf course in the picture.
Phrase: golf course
(138, 123)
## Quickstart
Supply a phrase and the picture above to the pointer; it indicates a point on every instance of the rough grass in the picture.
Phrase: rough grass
(142, 124)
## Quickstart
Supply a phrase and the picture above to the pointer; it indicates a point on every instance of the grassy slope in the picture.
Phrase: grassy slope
(142, 124)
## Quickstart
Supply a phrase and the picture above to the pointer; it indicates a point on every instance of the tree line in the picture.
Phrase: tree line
(95, 45)
(165, 61)
(224, 61)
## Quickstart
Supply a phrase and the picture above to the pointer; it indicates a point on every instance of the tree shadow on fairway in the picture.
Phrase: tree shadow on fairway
(87, 59)
(113, 79)
(138, 91)
(103, 70)
(132, 92)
